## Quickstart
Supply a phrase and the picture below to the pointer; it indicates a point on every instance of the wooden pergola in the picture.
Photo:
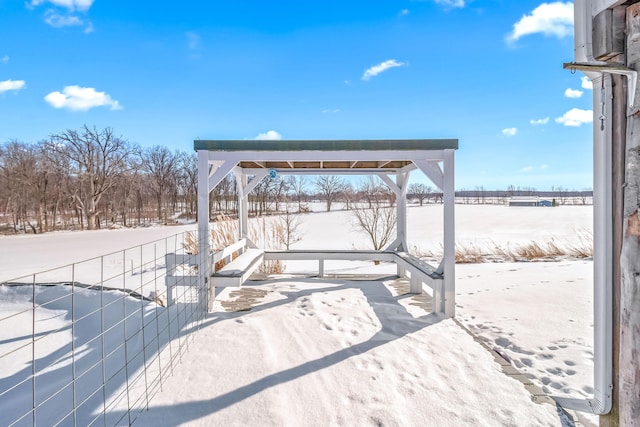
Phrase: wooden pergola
(251, 161)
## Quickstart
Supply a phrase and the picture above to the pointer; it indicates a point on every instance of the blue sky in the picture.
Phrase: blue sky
(488, 72)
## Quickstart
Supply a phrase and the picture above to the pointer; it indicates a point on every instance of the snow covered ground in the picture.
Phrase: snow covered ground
(354, 353)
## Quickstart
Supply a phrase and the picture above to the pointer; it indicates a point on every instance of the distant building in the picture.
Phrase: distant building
(529, 201)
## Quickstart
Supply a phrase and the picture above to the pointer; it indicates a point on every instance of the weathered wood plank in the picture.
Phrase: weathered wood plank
(629, 367)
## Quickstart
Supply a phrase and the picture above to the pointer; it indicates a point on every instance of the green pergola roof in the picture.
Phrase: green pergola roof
(326, 145)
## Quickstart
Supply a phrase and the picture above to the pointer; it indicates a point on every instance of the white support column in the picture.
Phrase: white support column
(402, 179)
(206, 294)
(243, 207)
(399, 188)
(449, 241)
(244, 188)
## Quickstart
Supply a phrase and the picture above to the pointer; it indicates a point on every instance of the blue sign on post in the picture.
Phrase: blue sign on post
(273, 173)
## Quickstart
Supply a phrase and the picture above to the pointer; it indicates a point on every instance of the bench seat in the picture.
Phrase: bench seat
(239, 270)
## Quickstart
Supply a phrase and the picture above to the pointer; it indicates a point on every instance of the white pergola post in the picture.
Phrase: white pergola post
(445, 181)
(245, 187)
(399, 188)
(449, 240)
(402, 179)
(243, 203)
(203, 228)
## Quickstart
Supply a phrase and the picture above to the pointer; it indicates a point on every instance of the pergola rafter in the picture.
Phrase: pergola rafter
(391, 160)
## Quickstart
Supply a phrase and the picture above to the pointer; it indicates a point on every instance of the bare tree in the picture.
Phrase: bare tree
(377, 221)
(349, 195)
(584, 195)
(280, 188)
(297, 184)
(288, 228)
(96, 159)
(18, 169)
(420, 191)
(330, 186)
(263, 194)
(162, 165)
(188, 178)
(481, 193)
(563, 194)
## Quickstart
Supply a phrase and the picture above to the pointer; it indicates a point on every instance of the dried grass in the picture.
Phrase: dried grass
(469, 254)
(224, 233)
(472, 253)
(584, 248)
(268, 235)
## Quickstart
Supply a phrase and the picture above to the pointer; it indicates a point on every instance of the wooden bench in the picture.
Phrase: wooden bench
(420, 272)
(234, 273)
(239, 270)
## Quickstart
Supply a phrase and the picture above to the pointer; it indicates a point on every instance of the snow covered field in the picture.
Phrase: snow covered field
(354, 353)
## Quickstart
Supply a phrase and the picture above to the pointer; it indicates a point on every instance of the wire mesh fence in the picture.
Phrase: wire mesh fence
(91, 343)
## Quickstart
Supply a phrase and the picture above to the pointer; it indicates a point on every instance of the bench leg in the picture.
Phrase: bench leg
(402, 272)
(169, 296)
(416, 285)
(436, 301)
(320, 268)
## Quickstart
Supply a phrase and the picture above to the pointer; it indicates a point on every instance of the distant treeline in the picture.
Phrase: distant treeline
(560, 195)
(92, 178)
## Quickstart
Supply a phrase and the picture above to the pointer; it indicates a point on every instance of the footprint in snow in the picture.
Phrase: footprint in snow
(527, 362)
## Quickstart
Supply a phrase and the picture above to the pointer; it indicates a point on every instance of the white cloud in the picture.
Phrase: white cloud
(586, 83)
(331, 111)
(4, 59)
(550, 19)
(89, 28)
(544, 167)
(193, 40)
(526, 169)
(404, 12)
(69, 4)
(451, 3)
(573, 93)
(59, 21)
(510, 131)
(576, 117)
(381, 67)
(58, 18)
(538, 122)
(76, 98)
(269, 135)
(14, 85)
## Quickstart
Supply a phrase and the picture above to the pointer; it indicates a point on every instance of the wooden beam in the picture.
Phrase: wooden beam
(432, 171)
(220, 173)
(629, 361)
